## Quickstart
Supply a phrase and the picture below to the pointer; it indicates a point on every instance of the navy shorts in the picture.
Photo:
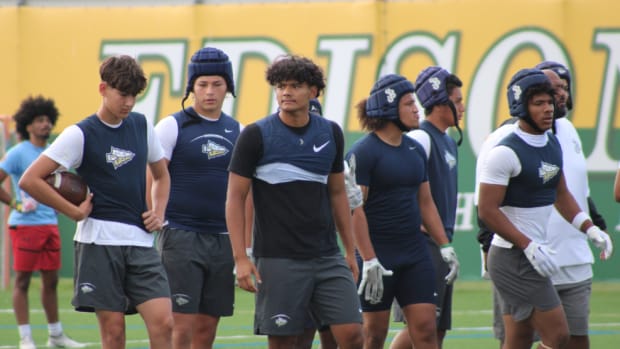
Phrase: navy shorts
(409, 284)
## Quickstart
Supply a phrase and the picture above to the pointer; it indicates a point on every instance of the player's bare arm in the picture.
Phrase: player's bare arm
(342, 218)
(491, 197)
(249, 221)
(4, 195)
(236, 199)
(33, 183)
(160, 192)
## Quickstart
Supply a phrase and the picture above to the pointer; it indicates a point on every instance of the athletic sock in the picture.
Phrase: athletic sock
(24, 330)
(55, 329)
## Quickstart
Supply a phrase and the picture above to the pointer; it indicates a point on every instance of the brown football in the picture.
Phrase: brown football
(70, 185)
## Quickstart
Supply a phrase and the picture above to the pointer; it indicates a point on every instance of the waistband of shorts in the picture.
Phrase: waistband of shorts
(21, 226)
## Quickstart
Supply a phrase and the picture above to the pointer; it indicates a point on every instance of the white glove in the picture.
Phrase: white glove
(354, 193)
(449, 256)
(601, 240)
(540, 257)
(372, 278)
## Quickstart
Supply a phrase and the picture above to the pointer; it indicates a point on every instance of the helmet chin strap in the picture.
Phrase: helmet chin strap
(401, 126)
(456, 122)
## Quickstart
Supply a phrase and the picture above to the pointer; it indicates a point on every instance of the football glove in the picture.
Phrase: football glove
(540, 257)
(601, 240)
(449, 256)
(372, 280)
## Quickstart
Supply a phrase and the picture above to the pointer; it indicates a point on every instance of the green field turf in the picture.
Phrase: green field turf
(471, 322)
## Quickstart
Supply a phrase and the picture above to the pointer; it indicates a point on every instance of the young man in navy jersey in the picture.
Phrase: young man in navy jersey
(521, 180)
(194, 245)
(439, 92)
(574, 258)
(117, 269)
(292, 160)
(391, 170)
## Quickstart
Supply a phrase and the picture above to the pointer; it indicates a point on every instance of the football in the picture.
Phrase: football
(70, 185)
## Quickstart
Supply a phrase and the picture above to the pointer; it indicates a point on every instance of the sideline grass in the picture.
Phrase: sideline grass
(471, 320)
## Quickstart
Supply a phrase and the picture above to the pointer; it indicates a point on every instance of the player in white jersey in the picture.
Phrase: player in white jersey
(520, 181)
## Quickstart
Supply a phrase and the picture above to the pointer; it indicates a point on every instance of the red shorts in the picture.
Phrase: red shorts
(35, 247)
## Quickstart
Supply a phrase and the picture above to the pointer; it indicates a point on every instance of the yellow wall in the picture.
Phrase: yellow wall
(56, 51)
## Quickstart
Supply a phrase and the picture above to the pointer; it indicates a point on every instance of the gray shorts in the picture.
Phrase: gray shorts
(575, 300)
(444, 291)
(200, 271)
(290, 288)
(520, 286)
(116, 278)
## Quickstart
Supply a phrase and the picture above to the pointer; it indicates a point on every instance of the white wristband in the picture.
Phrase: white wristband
(579, 219)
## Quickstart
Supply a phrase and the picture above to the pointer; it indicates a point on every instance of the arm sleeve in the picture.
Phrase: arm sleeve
(424, 139)
(167, 131)
(338, 165)
(155, 152)
(500, 165)
(68, 148)
(597, 218)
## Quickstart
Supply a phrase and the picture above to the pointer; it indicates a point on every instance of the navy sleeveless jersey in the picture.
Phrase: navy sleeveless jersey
(199, 173)
(114, 167)
(536, 184)
(292, 203)
(442, 175)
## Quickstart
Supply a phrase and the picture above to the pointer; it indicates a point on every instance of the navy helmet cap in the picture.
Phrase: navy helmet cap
(523, 80)
(430, 86)
(563, 73)
(385, 96)
(210, 61)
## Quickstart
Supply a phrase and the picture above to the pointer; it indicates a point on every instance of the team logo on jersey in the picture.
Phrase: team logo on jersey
(390, 95)
(547, 171)
(435, 82)
(516, 91)
(450, 159)
(119, 157)
(180, 299)
(87, 287)
(214, 150)
(280, 319)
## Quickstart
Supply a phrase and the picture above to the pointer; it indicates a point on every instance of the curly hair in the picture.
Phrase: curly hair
(367, 122)
(300, 69)
(124, 74)
(31, 108)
